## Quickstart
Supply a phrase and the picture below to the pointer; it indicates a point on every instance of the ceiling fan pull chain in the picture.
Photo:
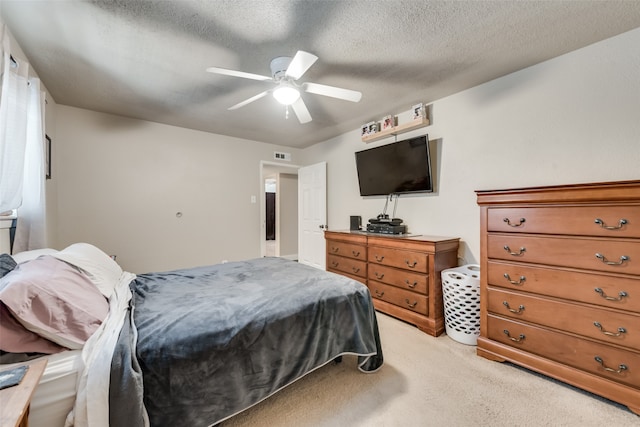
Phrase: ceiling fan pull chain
(286, 112)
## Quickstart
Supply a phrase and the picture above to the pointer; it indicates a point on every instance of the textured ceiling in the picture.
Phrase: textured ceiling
(147, 59)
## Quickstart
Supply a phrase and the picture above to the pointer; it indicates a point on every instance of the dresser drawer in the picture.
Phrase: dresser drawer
(349, 250)
(400, 297)
(612, 255)
(413, 261)
(347, 265)
(607, 290)
(360, 279)
(416, 282)
(568, 349)
(598, 323)
(607, 221)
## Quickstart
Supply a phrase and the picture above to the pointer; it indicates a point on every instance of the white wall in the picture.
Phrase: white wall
(572, 119)
(122, 182)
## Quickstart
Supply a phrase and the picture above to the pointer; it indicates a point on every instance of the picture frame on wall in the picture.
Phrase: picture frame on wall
(418, 112)
(389, 122)
(370, 128)
(47, 157)
(373, 128)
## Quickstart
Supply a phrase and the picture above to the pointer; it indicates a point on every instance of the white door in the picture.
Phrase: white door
(312, 214)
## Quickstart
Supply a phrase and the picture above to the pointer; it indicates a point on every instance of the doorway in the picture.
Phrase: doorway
(279, 210)
(270, 197)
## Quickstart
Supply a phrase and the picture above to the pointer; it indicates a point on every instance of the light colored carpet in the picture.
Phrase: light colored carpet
(429, 381)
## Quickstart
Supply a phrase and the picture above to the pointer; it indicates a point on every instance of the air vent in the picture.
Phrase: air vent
(282, 156)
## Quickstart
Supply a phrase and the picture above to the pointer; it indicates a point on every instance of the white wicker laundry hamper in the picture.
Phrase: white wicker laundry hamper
(461, 295)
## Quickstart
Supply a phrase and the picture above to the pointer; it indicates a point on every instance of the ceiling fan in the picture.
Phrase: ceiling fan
(285, 71)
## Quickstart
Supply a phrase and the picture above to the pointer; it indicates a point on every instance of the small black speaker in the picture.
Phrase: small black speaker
(356, 223)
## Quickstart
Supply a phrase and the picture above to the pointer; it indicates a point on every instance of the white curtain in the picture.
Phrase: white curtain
(22, 145)
(13, 126)
(32, 214)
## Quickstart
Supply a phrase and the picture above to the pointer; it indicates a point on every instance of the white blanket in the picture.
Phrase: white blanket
(92, 400)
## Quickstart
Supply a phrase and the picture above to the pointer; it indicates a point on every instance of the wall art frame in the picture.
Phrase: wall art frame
(47, 157)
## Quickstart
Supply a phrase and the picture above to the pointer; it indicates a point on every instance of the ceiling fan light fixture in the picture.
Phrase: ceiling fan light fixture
(286, 94)
(285, 72)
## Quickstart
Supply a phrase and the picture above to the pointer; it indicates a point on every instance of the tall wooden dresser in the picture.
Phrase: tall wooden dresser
(560, 284)
(402, 272)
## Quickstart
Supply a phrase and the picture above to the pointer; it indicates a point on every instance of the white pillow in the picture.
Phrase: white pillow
(102, 270)
(33, 254)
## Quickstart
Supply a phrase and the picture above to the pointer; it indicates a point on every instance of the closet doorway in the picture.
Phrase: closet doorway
(279, 210)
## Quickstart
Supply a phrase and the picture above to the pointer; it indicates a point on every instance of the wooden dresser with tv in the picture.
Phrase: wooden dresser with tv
(560, 284)
(402, 272)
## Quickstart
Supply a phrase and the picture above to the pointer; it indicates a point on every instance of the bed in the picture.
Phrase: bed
(197, 346)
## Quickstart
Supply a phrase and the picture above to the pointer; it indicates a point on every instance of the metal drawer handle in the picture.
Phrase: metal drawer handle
(379, 294)
(601, 223)
(602, 258)
(355, 253)
(520, 337)
(378, 275)
(334, 263)
(519, 253)
(379, 258)
(522, 220)
(621, 295)
(513, 282)
(355, 269)
(409, 304)
(621, 330)
(411, 265)
(335, 250)
(621, 367)
(409, 284)
(518, 311)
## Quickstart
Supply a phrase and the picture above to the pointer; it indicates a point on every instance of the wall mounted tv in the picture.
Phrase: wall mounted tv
(397, 168)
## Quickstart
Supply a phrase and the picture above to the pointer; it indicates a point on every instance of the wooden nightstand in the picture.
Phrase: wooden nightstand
(16, 400)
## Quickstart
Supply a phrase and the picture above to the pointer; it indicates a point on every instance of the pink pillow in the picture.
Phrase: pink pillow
(15, 338)
(25, 256)
(54, 300)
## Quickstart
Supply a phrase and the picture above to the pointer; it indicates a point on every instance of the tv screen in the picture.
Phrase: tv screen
(397, 168)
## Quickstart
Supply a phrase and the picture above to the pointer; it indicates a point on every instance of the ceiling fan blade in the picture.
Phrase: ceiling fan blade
(300, 64)
(249, 101)
(301, 111)
(235, 73)
(334, 92)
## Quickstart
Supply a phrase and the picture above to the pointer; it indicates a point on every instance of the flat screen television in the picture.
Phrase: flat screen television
(397, 168)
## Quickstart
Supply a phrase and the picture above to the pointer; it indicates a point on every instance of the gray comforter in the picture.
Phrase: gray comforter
(213, 341)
